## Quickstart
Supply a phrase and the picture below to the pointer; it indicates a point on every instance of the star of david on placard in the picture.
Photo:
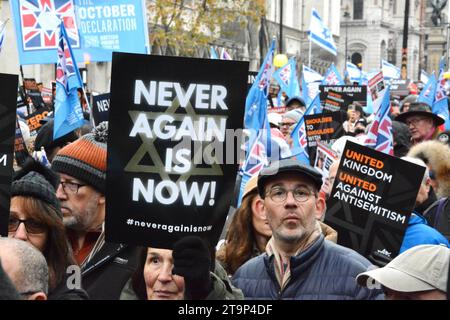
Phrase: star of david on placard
(148, 147)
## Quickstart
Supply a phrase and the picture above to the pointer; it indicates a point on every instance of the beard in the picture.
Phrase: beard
(70, 222)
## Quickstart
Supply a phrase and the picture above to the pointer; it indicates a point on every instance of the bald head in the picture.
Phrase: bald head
(25, 266)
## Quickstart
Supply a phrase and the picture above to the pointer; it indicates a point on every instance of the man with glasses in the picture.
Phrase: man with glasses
(422, 123)
(288, 121)
(105, 267)
(299, 263)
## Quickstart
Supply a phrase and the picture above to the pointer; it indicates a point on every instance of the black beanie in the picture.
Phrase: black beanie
(35, 180)
(44, 137)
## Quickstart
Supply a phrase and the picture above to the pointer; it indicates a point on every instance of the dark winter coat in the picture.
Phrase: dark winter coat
(107, 272)
(324, 271)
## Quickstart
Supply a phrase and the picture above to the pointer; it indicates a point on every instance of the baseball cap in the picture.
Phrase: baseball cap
(296, 99)
(421, 268)
(287, 165)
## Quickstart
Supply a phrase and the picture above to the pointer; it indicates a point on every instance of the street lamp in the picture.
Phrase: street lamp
(281, 26)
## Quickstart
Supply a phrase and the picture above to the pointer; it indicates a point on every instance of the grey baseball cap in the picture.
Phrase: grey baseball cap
(287, 165)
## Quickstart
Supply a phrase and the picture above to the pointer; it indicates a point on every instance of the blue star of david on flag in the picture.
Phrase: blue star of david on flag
(320, 34)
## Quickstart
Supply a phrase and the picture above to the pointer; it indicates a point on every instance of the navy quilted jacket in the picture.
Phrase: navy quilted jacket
(325, 271)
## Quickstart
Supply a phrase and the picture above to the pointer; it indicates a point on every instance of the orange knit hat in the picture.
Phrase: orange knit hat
(85, 158)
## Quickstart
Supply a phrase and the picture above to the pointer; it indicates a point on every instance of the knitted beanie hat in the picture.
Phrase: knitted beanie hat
(44, 137)
(85, 158)
(37, 181)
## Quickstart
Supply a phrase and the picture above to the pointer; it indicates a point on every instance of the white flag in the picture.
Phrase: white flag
(389, 70)
(320, 34)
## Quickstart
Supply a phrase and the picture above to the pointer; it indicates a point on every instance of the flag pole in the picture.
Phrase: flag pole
(309, 56)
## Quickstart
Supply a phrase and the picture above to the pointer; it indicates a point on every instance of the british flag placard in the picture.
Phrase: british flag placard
(40, 20)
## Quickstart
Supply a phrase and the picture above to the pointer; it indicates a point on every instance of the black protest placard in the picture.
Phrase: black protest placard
(100, 108)
(324, 127)
(171, 169)
(400, 87)
(34, 119)
(349, 95)
(8, 99)
(334, 101)
(20, 148)
(371, 201)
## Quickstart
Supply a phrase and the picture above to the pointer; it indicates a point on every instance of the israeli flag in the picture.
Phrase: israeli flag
(354, 73)
(389, 70)
(320, 34)
(311, 75)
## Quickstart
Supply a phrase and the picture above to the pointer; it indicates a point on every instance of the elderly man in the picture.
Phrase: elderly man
(26, 268)
(299, 263)
(105, 267)
(420, 273)
(422, 123)
(288, 122)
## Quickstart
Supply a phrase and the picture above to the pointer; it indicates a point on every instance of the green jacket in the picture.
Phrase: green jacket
(222, 287)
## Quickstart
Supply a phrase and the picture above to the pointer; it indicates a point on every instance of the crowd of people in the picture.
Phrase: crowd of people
(276, 244)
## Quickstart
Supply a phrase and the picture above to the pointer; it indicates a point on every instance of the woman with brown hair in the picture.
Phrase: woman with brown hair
(248, 232)
(35, 217)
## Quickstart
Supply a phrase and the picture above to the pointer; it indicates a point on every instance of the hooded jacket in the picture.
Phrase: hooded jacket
(436, 155)
(419, 232)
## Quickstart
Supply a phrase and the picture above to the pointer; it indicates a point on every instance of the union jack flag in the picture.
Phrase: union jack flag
(40, 19)
(299, 139)
(332, 77)
(286, 76)
(256, 158)
(66, 70)
(440, 105)
(440, 90)
(379, 136)
(68, 111)
(428, 93)
(285, 73)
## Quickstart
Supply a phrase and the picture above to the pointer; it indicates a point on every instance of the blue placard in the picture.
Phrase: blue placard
(95, 28)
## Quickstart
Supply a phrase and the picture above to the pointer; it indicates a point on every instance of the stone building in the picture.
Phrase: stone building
(373, 30)
(295, 26)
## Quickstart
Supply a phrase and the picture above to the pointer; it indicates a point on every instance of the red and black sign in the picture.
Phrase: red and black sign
(34, 119)
(324, 127)
(342, 96)
(20, 148)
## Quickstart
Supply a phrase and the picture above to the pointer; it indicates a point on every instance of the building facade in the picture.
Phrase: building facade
(373, 30)
(295, 25)
(437, 34)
